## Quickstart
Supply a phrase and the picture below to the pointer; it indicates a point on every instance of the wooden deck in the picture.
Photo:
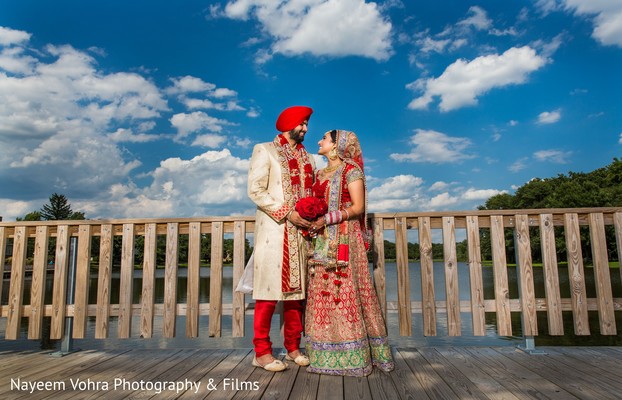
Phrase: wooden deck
(423, 373)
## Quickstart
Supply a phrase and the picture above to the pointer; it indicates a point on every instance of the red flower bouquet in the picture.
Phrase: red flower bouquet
(311, 208)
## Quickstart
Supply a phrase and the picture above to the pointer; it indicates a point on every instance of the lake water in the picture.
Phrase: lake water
(416, 340)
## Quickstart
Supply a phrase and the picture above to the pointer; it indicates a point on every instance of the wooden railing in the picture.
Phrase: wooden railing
(73, 249)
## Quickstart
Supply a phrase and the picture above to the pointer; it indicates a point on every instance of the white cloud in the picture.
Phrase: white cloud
(189, 84)
(224, 92)
(212, 183)
(620, 140)
(252, 113)
(546, 7)
(401, 192)
(13, 60)
(407, 193)
(210, 140)
(388, 4)
(549, 117)
(126, 135)
(428, 45)
(233, 106)
(443, 200)
(244, 143)
(547, 48)
(55, 119)
(478, 19)
(463, 81)
(214, 180)
(554, 156)
(11, 209)
(481, 194)
(435, 147)
(64, 124)
(10, 36)
(519, 165)
(607, 18)
(194, 104)
(335, 28)
(459, 35)
(207, 104)
(504, 32)
(397, 187)
(439, 186)
(196, 122)
(213, 172)
(596, 114)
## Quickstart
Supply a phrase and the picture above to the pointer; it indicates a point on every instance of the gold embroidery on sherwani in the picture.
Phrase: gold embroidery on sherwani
(297, 179)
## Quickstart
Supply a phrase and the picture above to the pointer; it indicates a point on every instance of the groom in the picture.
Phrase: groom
(281, 172)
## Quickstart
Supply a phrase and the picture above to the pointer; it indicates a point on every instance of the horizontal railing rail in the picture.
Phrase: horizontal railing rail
(108, 248)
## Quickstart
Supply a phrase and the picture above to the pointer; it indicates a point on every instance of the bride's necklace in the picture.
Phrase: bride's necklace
(328, 170)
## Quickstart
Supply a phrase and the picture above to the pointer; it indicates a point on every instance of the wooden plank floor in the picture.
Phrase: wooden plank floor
(423, 373)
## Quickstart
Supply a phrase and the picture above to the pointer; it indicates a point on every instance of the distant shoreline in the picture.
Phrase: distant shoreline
(485, 264)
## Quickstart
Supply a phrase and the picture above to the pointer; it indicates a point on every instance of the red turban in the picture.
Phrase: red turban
(292, 117)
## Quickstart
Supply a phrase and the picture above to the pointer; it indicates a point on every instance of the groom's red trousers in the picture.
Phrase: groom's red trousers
(292, 327)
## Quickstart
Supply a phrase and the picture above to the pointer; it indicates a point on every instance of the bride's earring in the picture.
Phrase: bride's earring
(332, 154)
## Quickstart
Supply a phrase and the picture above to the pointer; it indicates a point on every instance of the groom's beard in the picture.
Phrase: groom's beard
(297, 135)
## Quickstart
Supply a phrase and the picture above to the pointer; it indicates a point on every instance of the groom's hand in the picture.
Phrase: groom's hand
(297, 220)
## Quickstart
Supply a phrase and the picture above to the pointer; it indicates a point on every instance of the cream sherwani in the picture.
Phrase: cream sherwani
(265, 189)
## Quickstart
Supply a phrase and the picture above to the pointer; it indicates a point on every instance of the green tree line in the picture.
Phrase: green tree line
(57, 209)
(599, 188)
(390, 252)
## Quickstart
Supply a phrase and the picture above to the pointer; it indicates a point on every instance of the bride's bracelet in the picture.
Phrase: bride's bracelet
(335, 217)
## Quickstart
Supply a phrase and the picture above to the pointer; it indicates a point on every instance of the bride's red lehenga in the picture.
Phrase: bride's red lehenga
(345, 331)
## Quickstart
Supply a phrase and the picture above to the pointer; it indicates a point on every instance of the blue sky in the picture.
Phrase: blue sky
(151, 108)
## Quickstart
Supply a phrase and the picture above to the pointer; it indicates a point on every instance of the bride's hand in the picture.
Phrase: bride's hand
(317, 225)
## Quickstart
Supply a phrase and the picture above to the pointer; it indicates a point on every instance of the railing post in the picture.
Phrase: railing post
(529, 344)
(66, 346)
